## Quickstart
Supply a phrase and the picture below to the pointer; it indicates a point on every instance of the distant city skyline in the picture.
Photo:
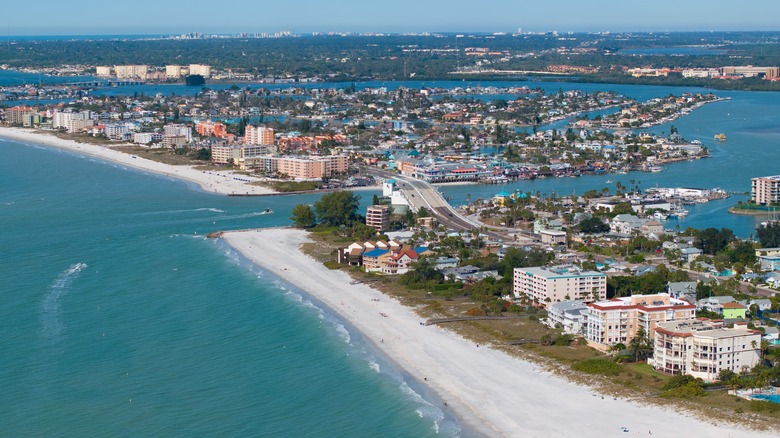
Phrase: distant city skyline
(147, 17)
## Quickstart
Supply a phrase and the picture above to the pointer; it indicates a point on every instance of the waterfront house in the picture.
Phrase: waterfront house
(769, 258)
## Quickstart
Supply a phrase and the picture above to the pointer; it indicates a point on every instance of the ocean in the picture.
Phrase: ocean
(121, 319)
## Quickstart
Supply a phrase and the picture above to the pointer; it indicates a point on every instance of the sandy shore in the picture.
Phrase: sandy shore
(490, 391)
(223, 182)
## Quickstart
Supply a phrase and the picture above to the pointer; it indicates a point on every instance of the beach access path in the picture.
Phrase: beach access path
(488, 390)
(218, 182)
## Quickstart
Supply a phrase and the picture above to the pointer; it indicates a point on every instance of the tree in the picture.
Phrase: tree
(203, 154)
(362, 232)
(712, 241)
(593, 225)
(769, 235)
(640, 347)
(303, 216)
(337, 209)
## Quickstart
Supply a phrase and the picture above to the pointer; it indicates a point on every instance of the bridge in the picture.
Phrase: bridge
(103, 83)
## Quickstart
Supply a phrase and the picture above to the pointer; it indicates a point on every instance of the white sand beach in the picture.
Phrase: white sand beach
(490, 391)
(222, 182)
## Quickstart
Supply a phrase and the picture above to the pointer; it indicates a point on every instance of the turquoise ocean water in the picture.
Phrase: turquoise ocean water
(118, 320)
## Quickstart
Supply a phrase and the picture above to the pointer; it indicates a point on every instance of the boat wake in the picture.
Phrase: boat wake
(51, 318)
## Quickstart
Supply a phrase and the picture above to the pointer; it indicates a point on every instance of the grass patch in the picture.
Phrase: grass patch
(602, 367)
(291, 186)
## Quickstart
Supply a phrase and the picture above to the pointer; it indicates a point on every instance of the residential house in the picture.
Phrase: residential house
(769, 258)
(568, 315)
(714, 304)
(733, 310)
(684, 290)
(690, 254)
(626, 224)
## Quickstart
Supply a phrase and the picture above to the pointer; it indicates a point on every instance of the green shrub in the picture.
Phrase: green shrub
(598, 366)
(332, 264)
(690, 390)
(764, 406)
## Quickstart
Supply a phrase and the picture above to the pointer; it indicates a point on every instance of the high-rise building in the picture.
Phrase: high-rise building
(618, 320)
(378, 216)
(103, 71)
(200, 69)
(544, 286)
(703, 348)
(765, 190)
(173, 71)
(258, 135)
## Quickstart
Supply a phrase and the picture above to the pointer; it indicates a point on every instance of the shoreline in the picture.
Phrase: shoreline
(220, 183)
(489, 391)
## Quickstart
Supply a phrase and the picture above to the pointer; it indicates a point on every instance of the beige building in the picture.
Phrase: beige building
(173, 71)
(750, 71)
(200, 69)
(618, 320)
(702, 348)
(131, 71)
(103, 71)
(765, 190)
(239, 154)
(378, 216)
(258, 135)
(544, 286)
(553, 237)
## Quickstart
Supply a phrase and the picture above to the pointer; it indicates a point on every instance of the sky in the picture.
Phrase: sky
(142, 17)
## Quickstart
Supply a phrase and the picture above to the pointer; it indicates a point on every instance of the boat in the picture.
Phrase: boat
(720, 137)
(267, 211)
(609, 181)
(655, 169)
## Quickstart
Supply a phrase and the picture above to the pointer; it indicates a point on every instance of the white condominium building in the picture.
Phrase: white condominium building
(703, 348)
(544, 286)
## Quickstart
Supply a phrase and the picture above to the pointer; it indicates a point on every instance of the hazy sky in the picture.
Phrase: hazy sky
(59, 17)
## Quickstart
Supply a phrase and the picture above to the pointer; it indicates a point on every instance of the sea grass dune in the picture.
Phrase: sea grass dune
(491, 392)
(223, 183)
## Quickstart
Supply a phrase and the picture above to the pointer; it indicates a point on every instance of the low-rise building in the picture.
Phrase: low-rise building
(703, 348)
(552, 237)
(570, 316)
(618, 320)
(545, 286)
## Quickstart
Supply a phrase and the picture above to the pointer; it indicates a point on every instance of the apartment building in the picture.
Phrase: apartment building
(765, 190)
(178, 130)
(378, 216)
(258, 135)
(200, 69)
(72, 121)
(103, 71)
(238, 154)
(208, 128)
(545, 286)
(19, 115)
(703, 348)
(618, 320)
(173, 71)
(131, 71)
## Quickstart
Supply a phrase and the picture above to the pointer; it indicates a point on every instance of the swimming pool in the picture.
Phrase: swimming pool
(775, 398)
